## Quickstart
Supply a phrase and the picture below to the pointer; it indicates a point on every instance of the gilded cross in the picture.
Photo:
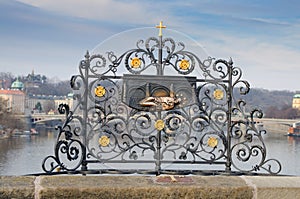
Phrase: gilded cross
(160, 26)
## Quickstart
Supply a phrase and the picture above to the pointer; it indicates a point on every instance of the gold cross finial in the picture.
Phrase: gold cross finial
(160, 26)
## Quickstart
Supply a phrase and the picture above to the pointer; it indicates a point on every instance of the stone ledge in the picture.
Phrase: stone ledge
(130, 186)
(275, 186)
(17, 187)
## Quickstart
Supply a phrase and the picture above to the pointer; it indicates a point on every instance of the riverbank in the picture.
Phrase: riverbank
(149, 187)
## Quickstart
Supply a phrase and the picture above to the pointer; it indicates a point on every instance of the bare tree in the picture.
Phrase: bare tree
(48, 106)
(7, 118)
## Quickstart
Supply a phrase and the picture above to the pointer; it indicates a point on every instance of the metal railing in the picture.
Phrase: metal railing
(138, 122)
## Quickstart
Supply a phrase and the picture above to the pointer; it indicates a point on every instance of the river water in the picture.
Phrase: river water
(24, 155)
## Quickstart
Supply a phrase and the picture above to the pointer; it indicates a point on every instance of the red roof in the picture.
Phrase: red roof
(11, 92)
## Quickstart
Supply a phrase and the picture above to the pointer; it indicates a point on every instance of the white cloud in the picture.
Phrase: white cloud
(267, 50)
(102, 10)
(265, 65)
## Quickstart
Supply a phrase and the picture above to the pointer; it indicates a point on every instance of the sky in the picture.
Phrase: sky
(51, 37)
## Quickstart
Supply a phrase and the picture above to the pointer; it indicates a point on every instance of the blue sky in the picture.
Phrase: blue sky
(51, 37)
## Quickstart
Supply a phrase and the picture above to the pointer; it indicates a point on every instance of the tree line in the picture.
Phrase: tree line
(37, 84)
(274, 104)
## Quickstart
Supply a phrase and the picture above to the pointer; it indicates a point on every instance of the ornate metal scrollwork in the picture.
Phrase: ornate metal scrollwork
(69, 149)
(158, 120)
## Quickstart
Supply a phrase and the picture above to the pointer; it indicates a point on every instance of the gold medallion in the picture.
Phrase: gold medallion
(100, 91)
(135, 62)
(218, 94)
(212, 142)
(184, 64)
(159, 125)
(104, 141)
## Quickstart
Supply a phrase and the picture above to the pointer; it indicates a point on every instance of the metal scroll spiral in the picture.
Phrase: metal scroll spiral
(146, 54)
(187, 135)
(248, 150)
(132, 134)
(249, 153)
(69, 148)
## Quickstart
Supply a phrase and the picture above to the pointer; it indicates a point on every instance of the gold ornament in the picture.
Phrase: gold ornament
(104, 140)
(159, 125)
(135, 62)
(184, 64)
(218, 94)
(100, 91)
(212, 142)
(160, 26)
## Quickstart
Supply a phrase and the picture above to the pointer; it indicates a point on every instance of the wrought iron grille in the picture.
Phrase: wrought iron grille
(143, 121)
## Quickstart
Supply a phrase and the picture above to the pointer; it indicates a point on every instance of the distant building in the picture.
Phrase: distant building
(34, 80)
(49, 103)
(15, 97)
(66, 100)
(296, 101)
(21, 103)
(15, 100)
(17, 85)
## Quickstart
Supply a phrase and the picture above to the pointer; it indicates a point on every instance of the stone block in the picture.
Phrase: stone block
(17, 187)
(275, 187)
(142, 187)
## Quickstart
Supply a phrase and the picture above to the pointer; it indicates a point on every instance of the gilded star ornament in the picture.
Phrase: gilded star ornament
(100, 91)
(184, 64)
(218, 94)
(135, 62)
(212, 142)
(159, 125)
(104, 141)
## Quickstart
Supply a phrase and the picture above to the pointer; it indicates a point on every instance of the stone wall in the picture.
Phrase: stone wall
(129, 186)
(277, 126)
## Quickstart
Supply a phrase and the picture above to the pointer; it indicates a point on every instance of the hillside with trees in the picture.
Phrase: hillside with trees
(37, 84)
(61, 88)
(274, 104)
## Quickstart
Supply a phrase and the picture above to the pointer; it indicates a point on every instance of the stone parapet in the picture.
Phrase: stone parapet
(130, 186)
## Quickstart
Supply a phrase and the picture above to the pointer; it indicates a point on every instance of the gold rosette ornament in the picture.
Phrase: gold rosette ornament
(218, 94)
(104, 140)
(159, 125)
(100, 91)
(212, 142)
(135, 62)
(184, 64)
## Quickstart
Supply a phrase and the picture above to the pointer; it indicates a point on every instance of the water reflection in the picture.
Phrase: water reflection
(24, 155)
(294, 142)
(287, 150)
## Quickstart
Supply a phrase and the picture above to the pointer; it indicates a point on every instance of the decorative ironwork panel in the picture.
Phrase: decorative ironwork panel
(145, 121)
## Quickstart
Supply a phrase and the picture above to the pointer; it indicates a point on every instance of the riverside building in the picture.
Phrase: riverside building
(296, 101)
(18, 101)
